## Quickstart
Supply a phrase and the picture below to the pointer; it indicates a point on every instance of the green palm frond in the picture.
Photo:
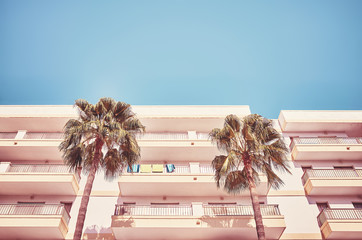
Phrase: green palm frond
(108, 104)
(233, 122)
(222, 138)
(108, 123)
(236, 181)
(113, 164)
(273, 180)
(133, 125)
(122, 112)
(251, 142)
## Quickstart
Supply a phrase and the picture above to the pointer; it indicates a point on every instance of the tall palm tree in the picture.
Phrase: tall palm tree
(102, 138)
(252, 146)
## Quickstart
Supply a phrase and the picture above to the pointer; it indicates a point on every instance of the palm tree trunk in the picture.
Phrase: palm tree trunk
(255, 202)
(86, 193)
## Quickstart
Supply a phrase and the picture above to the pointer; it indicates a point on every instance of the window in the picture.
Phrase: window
(357, 205)
(322, 205)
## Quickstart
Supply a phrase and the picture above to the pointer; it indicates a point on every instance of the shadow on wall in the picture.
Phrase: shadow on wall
(98, 233)
(228, 222)
(124, 222)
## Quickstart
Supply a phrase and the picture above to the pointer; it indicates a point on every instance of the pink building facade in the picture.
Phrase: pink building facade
(172, 194)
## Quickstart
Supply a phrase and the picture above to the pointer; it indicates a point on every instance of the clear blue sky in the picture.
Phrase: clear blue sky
(271, 55)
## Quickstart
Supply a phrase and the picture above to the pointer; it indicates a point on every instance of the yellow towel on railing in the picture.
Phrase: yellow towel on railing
(146, 168)
(157, 168)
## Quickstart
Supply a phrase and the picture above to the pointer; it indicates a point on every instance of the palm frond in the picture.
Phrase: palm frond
(253, 142)
(133, 125)
(236, 181)
(111, 124)
(273, 180)
(112, 164)
(233, 122)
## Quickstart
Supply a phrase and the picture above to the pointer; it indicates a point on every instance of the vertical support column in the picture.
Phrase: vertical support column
(21, 134)
(4, 166)
(197, 210)
(192, 135)
(194, 167)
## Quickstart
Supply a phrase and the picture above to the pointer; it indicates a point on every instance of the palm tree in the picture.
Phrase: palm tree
(102, 138)
(252, 146)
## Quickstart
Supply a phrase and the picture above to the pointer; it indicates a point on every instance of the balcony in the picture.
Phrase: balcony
(33, 221)
(336, 148)
(174, 146)
(29, 180)
(341, 223)
(320, 121)
(332, 181)
(31, 146)
(183, 180)
(195, 222)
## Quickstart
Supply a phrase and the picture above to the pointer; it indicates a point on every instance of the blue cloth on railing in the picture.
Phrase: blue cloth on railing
(135, 168)
(170, 168)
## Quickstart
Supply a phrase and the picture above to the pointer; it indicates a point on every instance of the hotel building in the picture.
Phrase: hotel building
(171, 194)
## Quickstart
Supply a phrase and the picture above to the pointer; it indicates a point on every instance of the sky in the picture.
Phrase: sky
(270, 55)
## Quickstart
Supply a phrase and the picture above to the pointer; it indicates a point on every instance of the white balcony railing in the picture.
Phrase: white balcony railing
(331, 173)
(186, 210)
(144, 136)
(40, 168)
(43, 135)
(325, 141)
(163, 136)
(153, 210)
(207, 169)
(203, 136)
(7, 135)
(239, 210)
(35, 209)
(339, 214)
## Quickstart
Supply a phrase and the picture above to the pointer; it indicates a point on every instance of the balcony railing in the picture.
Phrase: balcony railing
(203, 136)
(43, 135)
(145, 136)
(35, 209)
(331, 173)
(7, 135)
(210, 169)
(239, 210)
(339, 214)
(207, 169)
(41, 168)
(163, 136)
(180, 169)
(325, 140)
(153, 210)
